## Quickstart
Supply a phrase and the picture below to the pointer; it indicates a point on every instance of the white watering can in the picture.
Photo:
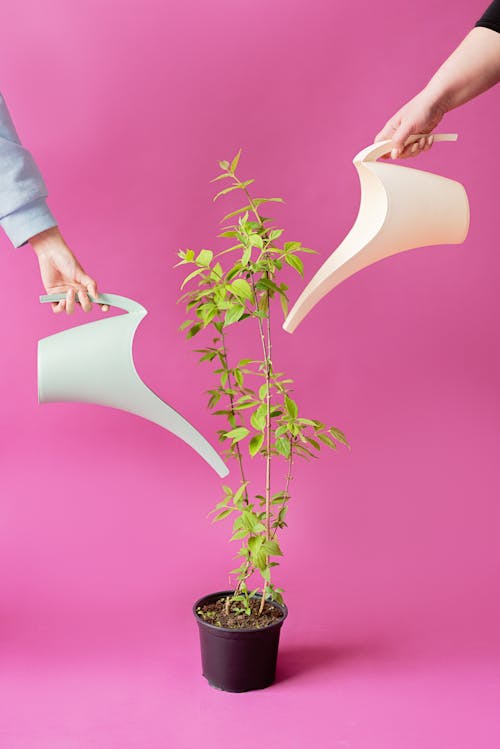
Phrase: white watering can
(400, 209)
(93, 363)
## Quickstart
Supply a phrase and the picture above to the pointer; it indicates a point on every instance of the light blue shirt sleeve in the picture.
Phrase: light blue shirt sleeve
(23, 208)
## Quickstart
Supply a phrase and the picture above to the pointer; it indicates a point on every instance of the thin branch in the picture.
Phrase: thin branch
(239, 456)
(286, 495)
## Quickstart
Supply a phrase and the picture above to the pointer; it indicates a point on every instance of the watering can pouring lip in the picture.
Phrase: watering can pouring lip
(93, 363)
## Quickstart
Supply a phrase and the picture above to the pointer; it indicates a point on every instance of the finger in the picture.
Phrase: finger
(70, 301)
(84, 300)
(91, 287)
(413, 149)
(399, 139)
(59, 306)
(409, 152)
(385, 134)
(428, 142)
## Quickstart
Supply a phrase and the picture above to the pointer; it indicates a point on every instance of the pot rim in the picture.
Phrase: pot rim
(281, 606)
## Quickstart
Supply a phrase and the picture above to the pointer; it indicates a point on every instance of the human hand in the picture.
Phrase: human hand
(420, 115)
(61, 272)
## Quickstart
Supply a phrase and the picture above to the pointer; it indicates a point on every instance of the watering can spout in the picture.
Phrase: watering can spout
(93, 363)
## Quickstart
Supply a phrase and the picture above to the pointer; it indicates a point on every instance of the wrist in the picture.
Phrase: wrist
(44, 240)
(437, 96)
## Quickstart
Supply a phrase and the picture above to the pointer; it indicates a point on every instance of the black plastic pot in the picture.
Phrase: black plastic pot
(238, 660)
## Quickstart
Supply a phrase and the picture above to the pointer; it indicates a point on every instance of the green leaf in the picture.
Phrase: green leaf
(254, 543)
(239, 535)
(325, 439)
(243, 406)
(268, 285)
(284, 305)
(260, 559)
(283, 429)
(250, 521)
(256, 241)
(339, 436)
(233, 314)
(275, 233)
(185, 257)
(238, 376)
(308, 251)
(185, 324)
(283, 446)
(241, 289)
(237, 434)
(240, 492)
(194, 330)
(226, 191)
(316, 444)
(204, 258)
(234, 162)
(295, 262)
(291, 407)
(235, 213)
(259, 201)
(223, 514)
(272, 548)
(278, 597)
(192, 275)
(221, 176)
(224, 164)
(247, 254)
(263, 304)
(208, 313)
(233, 272)
(258, 418)
(255, 444)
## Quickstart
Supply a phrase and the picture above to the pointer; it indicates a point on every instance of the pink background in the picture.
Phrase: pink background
(391, 569)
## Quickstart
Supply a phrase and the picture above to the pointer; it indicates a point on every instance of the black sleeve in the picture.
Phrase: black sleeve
(491, 17)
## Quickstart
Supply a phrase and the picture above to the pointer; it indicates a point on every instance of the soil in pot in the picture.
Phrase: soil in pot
(215, 613)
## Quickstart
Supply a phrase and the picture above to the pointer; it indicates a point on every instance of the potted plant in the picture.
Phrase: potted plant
(241, 286)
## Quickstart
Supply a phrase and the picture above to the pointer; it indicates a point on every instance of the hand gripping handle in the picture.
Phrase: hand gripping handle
(376, 150)
(112, 300)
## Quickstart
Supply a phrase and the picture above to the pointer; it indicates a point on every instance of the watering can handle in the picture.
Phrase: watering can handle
(376, 150)
(112, 300)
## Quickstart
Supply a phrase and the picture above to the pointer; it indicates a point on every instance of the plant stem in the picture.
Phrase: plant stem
(288, 478)
(267, 348)
(263, 599)
(268, 439)
(268, 423)
(231, 400)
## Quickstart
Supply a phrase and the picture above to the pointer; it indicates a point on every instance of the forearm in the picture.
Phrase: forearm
(470, 70)
(23, 208)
